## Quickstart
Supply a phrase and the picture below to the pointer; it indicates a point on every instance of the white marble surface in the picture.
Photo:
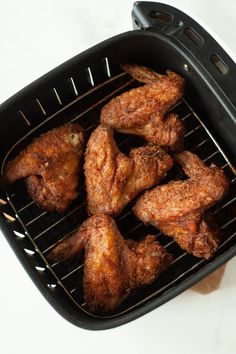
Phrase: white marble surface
(35, 37)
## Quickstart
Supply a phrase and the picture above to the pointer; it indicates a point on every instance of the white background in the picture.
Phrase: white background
(36, 36)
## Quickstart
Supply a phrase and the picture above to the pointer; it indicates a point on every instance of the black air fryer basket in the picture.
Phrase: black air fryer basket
(164, 38)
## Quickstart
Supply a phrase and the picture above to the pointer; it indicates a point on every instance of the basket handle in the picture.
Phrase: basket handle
(187, 33)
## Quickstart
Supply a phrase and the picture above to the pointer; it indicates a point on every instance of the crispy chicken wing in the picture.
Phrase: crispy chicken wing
(143, 110)
(50, 165)
(114, 267)
(114, 179)
(178, 208)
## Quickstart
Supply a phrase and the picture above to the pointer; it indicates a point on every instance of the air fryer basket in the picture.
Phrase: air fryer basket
(76, 91)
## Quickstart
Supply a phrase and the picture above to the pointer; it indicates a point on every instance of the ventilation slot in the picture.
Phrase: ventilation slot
(73, 86)
(90, 76)
(219, 64)
(40, 269)
(29, 252)
(41, 107)
(193, 36)
(9, 217)
(57, 96)
(19, 234)
(161, 16)
(22, 116)
(107, 67)
(51, 286)
(138, 24)
(2, 202)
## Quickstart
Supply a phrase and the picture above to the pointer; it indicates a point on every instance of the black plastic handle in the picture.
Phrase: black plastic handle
(168, 20)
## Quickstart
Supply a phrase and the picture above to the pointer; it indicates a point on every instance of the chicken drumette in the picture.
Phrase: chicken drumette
(50, 165)
(143, 110)
(114, 179)
(178, 208)
(114, 267)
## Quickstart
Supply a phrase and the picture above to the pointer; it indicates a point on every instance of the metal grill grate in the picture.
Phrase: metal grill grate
(47, 229)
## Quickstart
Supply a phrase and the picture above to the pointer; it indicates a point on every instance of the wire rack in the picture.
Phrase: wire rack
(46, 229)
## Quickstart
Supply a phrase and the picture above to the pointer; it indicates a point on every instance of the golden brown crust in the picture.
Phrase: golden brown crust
(150, 165)
(50, 165)
(106, 171)
(114, 267)
(114, 179)
(193, 233)
(178, 207)
(142, 110)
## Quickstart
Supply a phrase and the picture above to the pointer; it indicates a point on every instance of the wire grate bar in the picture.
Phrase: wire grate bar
(187, 116)
(72, 272)
(224, 205)
(193, 131)
(59, 221)
(228, 223)
(228, 240)
(26, 206)
(36, 218)
(102, 100)
(213, 154)
(200, 144)
(176, 105)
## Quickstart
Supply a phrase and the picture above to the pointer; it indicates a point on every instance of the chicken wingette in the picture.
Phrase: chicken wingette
(50, 165)
(114, 179)
(113, 267)
(179, 208)
(144, 110)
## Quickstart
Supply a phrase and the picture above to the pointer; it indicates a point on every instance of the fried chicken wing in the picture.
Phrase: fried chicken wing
(143, 110)
(178, 208)
(114, 179)
(114, 267)
(50, 165)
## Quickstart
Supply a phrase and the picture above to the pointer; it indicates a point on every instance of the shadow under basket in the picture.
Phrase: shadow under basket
(75, 92)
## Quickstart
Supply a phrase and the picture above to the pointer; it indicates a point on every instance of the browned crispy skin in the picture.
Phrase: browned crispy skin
(143, 110)
(114, 179)
(114, 267)
(50, 165)
(178, 208)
